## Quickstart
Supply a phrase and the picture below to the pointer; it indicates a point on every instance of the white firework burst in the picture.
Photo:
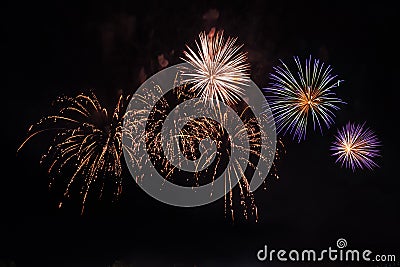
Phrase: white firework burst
(218, 69)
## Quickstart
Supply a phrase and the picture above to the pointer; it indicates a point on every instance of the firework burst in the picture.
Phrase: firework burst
(295, 98)
(87, 141)
(356, 146)
(210, 161)
(219, 70)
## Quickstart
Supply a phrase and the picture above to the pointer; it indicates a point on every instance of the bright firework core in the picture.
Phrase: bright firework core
(308, 100)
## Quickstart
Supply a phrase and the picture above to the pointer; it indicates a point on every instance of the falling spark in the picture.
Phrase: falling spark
(219, 69)
(87, 140)
(356, 147)
(295, 98)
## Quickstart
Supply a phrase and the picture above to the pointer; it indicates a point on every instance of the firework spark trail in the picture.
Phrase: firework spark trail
(219, 68)
(200, 129)
(279, 153)
(87, 140)
(235, 171)
(293, 99)
(356, 146)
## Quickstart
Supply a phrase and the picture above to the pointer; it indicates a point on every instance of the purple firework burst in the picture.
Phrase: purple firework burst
(356, 146)
(295, 98)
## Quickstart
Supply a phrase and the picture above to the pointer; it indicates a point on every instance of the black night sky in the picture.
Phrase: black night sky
(64, 47)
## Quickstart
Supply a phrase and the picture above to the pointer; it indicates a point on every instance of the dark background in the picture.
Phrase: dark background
(64, 47)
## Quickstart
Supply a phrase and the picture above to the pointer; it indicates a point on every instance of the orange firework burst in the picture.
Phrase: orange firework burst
(193, 141)
(87, 141)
